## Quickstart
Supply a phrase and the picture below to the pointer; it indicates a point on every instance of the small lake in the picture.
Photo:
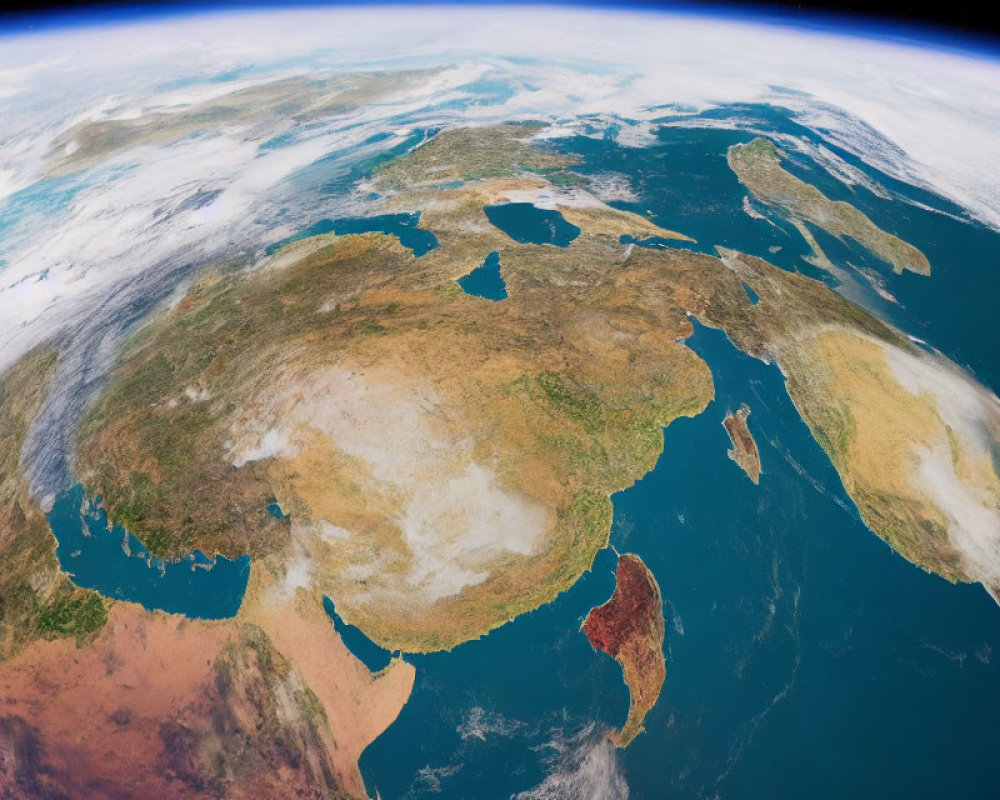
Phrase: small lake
(486, 280)
(528, 224)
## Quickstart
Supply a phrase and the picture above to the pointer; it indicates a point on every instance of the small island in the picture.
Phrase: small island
(630, 628)
(744, 450)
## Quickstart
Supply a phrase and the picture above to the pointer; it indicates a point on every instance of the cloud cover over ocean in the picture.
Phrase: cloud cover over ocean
(927, 116)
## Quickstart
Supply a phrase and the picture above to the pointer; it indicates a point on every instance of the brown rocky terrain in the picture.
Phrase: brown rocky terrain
(447, 464)
(744, 450)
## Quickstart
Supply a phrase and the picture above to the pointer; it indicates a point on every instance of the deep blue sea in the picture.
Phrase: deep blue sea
(805, 658)
(110, 560)
(528, 224)
(402, 226)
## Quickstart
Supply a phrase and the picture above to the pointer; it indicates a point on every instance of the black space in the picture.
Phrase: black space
(978, 18)
(972, 16)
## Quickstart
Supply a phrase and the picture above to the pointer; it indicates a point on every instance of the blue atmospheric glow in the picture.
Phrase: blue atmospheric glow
(868, 26)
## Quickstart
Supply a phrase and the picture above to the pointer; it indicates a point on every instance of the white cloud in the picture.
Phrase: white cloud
(587, 767)
(273, 444)
(969, 409)
(127, 231)
(972, 416)
(455, 518)
(973, 527)
(926, 116)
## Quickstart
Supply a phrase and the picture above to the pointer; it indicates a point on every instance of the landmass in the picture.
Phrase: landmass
(442, 464)
(37, 601)
(913, 436)
(160, 706)
(630, 628)
(758, 166)
(103, 698)
(510, 427)
(281, 381)
(744, 450)
(461, 155)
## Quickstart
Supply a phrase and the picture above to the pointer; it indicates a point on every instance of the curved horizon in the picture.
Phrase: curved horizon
(920, 115)
(864, 25)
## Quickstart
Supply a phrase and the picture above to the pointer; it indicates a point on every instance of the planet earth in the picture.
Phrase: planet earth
(497, 402)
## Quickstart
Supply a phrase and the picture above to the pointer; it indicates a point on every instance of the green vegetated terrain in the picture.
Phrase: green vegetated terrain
(562, 389)
(36, 598)
(758, 166)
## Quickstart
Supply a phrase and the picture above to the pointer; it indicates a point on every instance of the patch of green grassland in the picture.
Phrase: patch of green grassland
(589, 516)
(758, 148)
(572, 399)
(562, 178)
(74, 614)
(469, 154)
(36, 598)
(832, 425)
(954, 445)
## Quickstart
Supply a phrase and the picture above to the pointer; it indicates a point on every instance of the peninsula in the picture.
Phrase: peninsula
(630, 629)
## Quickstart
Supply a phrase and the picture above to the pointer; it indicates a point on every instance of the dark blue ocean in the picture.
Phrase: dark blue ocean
(108, 559)
(805, 658)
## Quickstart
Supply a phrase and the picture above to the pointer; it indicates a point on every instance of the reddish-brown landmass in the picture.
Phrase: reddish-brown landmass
(744, 451)
(630, 628)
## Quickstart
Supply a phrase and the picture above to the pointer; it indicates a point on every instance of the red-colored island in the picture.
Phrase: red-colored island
(630, 628)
